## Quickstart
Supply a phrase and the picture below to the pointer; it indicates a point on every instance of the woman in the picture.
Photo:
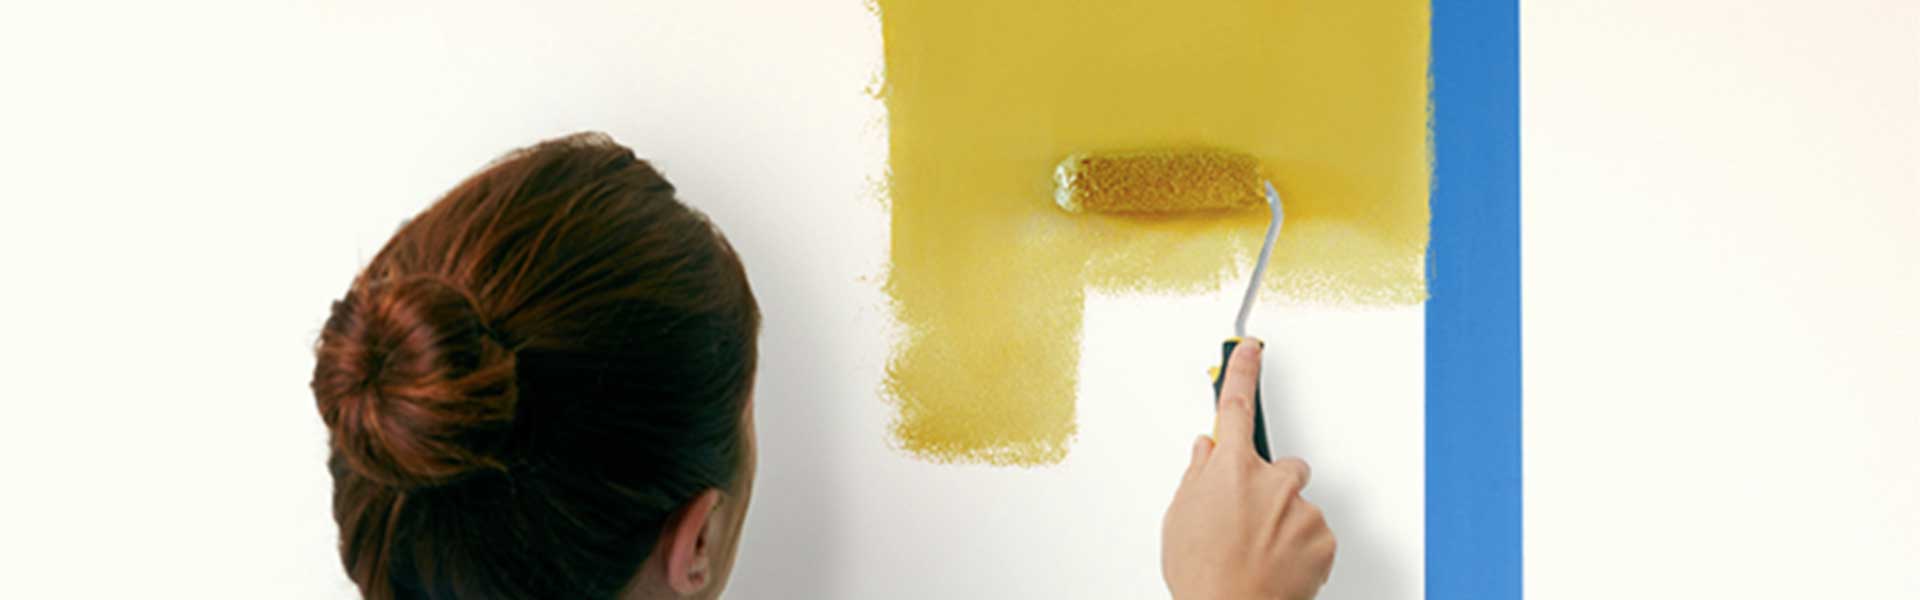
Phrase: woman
(542, 387)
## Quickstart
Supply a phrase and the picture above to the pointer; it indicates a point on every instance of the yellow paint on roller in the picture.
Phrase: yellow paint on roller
(985, 97)
(1158, 181)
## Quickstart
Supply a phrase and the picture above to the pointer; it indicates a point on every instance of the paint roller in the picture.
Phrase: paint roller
(1178, 181)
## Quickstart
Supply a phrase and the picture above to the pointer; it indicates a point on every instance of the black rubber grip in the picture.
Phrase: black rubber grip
(1259, 415)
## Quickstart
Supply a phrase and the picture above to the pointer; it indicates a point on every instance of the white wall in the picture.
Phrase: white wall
(1722, 303)
(187, 185)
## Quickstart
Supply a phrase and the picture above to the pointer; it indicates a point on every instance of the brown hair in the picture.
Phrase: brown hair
(530, 376)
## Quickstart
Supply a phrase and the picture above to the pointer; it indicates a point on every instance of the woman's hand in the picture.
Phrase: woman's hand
(1238, 528)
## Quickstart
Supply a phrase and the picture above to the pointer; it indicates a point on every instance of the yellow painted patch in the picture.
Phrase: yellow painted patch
(984, 97)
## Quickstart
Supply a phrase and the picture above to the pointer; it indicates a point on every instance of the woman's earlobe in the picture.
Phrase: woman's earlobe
(689, 558)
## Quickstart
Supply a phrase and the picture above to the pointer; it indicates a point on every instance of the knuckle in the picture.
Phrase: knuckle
(1289, 478)
(1289, 485)
(1324, 554)
(1312, 512)
(1296, 470)
(1237, 400)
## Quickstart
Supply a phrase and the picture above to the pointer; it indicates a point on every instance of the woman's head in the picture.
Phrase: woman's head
(541, 387)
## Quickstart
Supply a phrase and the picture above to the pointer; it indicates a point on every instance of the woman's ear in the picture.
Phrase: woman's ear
(688, 544)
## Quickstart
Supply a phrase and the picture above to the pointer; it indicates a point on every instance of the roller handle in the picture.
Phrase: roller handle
(1259, 415)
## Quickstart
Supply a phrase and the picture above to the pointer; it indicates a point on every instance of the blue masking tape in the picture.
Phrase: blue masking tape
(1473, 535)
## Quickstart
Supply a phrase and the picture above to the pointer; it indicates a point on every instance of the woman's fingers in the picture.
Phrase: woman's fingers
(1294, 474)
(1233, 425)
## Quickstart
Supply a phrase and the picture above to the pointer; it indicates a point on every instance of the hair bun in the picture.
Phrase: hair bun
(414, 386)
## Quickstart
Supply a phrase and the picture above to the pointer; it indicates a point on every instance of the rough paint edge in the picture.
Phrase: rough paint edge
(899, 333)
